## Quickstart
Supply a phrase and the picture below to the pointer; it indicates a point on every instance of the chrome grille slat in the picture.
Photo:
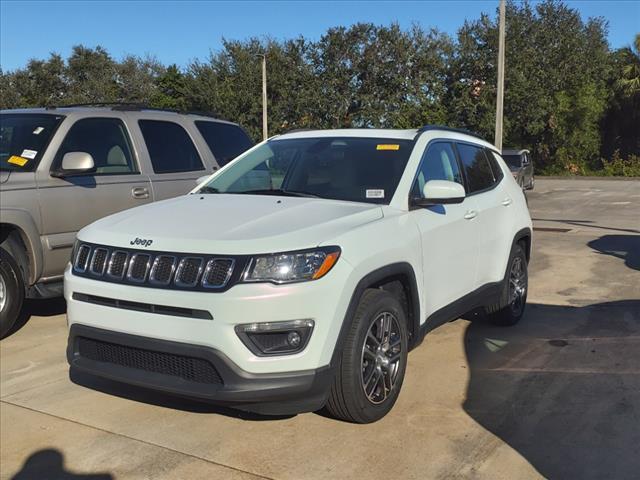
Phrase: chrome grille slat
(162, 269)
(189, 271)
(99, 261)
(177, 271)
(218, 272)
(138, 267)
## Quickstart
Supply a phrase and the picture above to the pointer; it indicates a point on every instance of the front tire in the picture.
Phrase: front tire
(373, 360)
(11, 292)
(514, 295)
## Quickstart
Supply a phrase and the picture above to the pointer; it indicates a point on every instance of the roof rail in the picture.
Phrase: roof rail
(135, 107)
(427, 128)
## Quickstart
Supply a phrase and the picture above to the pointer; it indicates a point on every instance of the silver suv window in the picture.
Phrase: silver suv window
(24, 138)
(170, 147)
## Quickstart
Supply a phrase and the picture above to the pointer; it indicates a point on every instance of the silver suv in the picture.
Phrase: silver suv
(63, 168)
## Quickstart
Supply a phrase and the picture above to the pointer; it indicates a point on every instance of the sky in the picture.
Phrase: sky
(179, 32)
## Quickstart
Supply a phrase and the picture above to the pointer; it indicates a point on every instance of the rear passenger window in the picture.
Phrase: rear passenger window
(476, 167)
(495, 165)
(106, 140)
(225, 141)
(438, 163)
(170, 147)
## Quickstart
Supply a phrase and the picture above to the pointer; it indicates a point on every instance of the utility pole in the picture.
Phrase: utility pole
(500, 99)
(265, 132)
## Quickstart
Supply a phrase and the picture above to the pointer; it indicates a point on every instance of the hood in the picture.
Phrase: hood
(231, 224)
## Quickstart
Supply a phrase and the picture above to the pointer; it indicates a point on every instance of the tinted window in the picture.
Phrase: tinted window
(495, 166)
(170, 147)
(513, 161)
(225, 141)
(476, 167)
(105, 139)
(340, 168)
(438, 163)
(23, 139)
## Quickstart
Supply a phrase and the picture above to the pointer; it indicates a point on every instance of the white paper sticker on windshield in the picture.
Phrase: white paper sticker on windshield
(375, 193)
(31, 154)
(38, 130)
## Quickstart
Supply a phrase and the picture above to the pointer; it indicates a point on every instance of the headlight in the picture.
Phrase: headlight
(292, 266)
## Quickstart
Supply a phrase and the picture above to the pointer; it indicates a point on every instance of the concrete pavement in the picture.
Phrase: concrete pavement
(557, 396)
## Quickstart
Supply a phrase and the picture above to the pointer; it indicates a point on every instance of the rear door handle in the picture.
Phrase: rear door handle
(140, 192)
(507, 201)
(470, 214)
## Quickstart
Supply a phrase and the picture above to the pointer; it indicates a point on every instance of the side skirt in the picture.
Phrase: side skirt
(486, 295)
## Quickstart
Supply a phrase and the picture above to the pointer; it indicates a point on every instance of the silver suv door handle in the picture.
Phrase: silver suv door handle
(140, 192)
(470, 214)
(507, 201)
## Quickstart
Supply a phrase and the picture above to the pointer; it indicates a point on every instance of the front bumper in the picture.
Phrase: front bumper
(193, 371)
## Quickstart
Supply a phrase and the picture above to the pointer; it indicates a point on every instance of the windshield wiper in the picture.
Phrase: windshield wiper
(285, 193)
(208, 189)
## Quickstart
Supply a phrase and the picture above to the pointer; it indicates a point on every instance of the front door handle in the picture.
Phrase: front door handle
(140, 192)
(507, 201)
(470, 214)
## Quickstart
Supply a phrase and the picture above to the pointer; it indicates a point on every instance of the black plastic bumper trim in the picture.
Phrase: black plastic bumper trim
(275, 394)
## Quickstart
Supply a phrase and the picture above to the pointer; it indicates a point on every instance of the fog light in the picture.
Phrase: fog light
(293, 339)
(276, 338)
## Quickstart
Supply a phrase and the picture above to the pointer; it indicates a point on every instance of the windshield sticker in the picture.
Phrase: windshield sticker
(15, 160)
(38, 130)
(373, 193)
(388, 146)
(30, 154)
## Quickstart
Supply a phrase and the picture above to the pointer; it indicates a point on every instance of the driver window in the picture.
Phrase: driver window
(438, 163)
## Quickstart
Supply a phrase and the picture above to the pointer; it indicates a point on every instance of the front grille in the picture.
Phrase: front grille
(158, 269)
(162, 269)
(138, 267)
(217, 272)
(117, 264)
(99, 261)
(82, 258)
(188, 271)
(188, 368)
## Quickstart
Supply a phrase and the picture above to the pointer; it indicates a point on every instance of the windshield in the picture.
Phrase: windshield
(513, 161)
(23, 139)
(339, 168)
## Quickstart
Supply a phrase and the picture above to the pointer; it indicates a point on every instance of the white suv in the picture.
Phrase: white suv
(301, 274)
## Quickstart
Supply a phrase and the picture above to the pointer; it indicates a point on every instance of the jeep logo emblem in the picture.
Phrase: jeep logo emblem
(141, 241)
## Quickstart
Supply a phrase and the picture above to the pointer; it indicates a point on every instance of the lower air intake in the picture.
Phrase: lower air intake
(188, 368)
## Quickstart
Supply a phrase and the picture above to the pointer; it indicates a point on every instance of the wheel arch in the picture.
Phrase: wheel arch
(21, 236)
(396, 278)
(523, 237)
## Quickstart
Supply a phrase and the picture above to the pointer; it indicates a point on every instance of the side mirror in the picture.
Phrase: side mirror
(440, 192)
(76, 163)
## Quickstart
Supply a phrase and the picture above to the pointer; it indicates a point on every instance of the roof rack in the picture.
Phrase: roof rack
(427, 128)
(135, 107)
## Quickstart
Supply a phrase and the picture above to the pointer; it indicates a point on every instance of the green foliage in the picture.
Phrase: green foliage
(568, 98)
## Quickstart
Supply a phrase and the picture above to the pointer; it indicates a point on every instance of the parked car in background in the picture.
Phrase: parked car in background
(305, 285)
(63, 168)
(521, 166)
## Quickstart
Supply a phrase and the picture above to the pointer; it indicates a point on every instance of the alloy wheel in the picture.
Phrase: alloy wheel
(381, 356)
(517, 286)
(3, 293)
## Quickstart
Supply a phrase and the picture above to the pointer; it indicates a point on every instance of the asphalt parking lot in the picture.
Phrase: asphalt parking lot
(557, 396)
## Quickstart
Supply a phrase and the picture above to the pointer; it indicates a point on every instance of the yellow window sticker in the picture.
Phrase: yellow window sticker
(21, 162)
(387, 146)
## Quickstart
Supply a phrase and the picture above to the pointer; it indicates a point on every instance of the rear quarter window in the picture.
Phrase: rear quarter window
(225, 141)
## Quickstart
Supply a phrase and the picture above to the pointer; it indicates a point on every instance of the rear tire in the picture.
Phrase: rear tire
(11, 292)
(373, 360)
(513, 300)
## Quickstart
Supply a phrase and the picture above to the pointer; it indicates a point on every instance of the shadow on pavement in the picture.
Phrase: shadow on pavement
(585, 223)
(562, 388)
(49, 464)
(38, 308)
(626, 247)
(142, 395)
